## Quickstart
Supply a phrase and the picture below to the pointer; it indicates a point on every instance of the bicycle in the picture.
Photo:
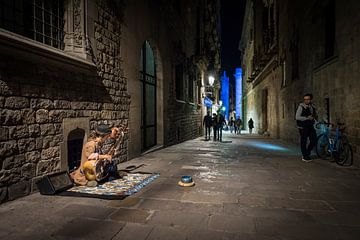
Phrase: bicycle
(337, 146)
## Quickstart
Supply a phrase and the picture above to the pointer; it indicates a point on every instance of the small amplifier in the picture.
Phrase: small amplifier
(54, 183)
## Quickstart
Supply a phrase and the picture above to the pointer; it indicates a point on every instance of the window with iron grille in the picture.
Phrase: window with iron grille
(40, 20)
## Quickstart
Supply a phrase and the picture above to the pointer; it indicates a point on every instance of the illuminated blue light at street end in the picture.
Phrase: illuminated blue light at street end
(225, 94)
(238, 92)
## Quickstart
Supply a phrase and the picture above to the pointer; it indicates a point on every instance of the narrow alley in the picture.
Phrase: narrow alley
(246, 187)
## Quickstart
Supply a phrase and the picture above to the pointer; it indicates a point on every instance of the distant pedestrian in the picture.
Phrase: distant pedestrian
(238, 124)
(251, 125)
(208, 124)
(220, 124)
(305, 119)
(232, 125)
(214, 124)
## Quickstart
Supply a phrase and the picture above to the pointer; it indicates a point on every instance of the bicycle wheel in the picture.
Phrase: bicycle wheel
(322, 146)
(344, 156)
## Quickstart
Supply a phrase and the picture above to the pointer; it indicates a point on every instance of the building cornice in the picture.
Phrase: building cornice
(13, 44)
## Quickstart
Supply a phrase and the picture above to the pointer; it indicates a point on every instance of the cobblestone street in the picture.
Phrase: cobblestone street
(247, 187)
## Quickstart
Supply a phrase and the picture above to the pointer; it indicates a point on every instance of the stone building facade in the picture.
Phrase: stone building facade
(290, 48)
(141, 64)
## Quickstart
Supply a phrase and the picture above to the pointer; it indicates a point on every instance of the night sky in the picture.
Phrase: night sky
(231, 24)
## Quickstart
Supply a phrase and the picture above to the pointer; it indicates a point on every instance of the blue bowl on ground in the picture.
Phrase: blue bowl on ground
(186, 179)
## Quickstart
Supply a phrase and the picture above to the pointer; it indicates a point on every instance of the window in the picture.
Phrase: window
(40, 20)
(329, 13)
(199, 33)
(295, 61)
(179, 79)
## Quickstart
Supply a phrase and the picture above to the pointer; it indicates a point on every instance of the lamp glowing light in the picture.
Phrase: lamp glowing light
(211, 80)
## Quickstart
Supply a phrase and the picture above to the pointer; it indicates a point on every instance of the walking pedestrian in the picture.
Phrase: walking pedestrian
(208, 124)
(305, 119)
(251, 125)
(214, 124)
(220, 124)
(238, 124)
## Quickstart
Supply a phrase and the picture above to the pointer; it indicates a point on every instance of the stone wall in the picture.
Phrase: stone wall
(37, 95)
(302, 29)
(45, 92)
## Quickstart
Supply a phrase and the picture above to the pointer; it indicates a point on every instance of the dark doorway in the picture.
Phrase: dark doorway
(148, 97)
(74, 146)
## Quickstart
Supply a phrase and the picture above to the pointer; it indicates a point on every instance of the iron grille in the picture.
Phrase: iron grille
(40, 20)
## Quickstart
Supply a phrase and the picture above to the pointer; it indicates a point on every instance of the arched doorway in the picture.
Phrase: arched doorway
(148, 97)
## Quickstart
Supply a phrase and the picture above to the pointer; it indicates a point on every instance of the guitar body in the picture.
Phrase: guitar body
(96, 170)
(89, 170)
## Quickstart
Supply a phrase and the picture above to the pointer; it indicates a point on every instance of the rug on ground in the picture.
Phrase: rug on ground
(115, 189)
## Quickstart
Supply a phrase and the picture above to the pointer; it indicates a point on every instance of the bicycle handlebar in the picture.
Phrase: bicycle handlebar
(317, 125)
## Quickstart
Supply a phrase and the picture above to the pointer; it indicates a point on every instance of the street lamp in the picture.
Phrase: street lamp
(211, 80)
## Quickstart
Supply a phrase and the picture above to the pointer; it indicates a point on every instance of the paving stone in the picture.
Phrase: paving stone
(233, 224)
(293, 230)
(206, 208)
(83, 228)
(196, 234)
(209, 197)
(173, 233)
(179, 218)
(337, 218)
(325, 196)
(134, 231)
(252, 201)
(131, 215)
(346, 206)
(345, 232)
(252, 196)
(299, 204)
(164, 191)
(129, 202)
(88, 211)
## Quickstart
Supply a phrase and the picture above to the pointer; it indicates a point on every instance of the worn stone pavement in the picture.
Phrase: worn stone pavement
(247, 187)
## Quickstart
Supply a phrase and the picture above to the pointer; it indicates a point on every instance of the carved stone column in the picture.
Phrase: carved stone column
(77, 39)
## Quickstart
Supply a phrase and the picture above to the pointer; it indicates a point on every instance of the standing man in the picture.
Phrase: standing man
(208, 124)
(305, 119)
